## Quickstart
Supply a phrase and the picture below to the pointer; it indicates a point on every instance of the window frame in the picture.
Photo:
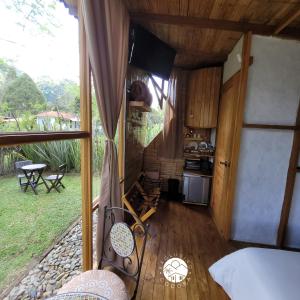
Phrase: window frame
(85, 136)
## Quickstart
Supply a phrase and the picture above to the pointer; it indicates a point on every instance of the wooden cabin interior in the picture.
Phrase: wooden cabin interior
(226, 162)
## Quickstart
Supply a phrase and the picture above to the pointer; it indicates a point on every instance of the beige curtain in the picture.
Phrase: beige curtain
(172, 139)
(107, 24)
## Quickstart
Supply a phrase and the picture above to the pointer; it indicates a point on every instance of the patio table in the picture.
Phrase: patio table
(29, 171)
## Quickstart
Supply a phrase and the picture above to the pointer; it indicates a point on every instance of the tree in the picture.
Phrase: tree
(22, 95)
(76, 105)
(7, 74)
(39, 13)
(62, 96)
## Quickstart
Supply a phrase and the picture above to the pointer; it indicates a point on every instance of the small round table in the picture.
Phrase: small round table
(29, 174)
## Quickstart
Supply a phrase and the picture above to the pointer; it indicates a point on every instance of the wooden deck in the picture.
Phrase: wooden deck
(187, 232)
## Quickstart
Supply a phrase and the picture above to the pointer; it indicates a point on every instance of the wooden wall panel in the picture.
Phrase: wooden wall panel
(134, 147)
(212, 43)
(203, 98)
(168, 168)
(134, 134)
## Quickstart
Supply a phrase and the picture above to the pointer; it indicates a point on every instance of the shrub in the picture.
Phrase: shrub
(8, 156)
(54, 154)
(98, 153)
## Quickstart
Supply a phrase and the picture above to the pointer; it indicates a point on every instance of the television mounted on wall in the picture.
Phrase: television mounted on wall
(148, 52)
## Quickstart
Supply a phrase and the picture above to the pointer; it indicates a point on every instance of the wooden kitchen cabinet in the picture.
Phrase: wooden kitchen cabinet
(202, 101)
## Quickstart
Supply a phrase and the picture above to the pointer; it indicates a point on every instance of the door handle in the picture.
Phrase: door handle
(226, 163)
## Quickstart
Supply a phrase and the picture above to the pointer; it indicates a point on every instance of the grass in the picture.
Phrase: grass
(29, 224)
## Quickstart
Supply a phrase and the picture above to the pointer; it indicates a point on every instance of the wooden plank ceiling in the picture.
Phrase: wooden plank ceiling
(200, 45)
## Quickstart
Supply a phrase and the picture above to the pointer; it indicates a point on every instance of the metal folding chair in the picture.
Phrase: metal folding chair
(56, 179)
(122, 256)
(20, 174)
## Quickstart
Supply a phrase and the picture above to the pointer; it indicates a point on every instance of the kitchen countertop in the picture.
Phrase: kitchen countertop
(197, 173)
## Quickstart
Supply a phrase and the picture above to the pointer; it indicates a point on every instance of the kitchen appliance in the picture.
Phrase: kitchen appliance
(206, 165)
(192, 164)
(196, 188)
(198, 164)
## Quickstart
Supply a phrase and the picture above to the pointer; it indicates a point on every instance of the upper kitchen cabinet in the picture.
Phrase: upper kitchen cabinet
(203, 98)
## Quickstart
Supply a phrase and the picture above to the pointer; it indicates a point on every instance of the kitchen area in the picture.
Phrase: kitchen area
(202, 101)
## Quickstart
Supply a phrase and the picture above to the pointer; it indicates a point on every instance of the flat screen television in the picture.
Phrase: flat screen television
(148, 52)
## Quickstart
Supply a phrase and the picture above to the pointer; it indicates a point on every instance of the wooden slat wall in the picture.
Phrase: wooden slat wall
(138, 158)
(203, 94)
(134, 135)
(134, 149)
(210, 41)
(270, 12)
(169, 168)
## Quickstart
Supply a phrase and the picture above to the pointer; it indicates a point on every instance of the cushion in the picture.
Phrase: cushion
(260, 274)
(100, 282)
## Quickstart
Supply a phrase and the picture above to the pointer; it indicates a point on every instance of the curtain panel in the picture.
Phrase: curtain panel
(172, 137)
(107, 27)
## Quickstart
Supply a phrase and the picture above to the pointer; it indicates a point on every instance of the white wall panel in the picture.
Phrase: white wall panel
(274, 82)
(272, 98)
(264, 160)
(233, 63)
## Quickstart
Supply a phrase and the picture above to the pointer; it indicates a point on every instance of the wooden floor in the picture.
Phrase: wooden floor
(187, 232)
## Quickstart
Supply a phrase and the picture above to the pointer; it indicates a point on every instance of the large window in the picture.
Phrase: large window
(40, 121)
(39, 67)
(155, 119)
(29, 223)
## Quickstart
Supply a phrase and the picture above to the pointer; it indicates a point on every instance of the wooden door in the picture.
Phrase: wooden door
(220, 204)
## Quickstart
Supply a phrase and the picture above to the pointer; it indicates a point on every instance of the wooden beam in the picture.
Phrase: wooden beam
(290, 183)
(86, 150)
(155, 90)
(209, 55)
(216, 24)
(265, 126)
(236, 141)
(162, 95)
(287, 21)
(18, 138)
(121, 144)
(208, 64)
(156, 85)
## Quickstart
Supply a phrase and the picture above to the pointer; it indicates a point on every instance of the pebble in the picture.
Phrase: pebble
(61, 264)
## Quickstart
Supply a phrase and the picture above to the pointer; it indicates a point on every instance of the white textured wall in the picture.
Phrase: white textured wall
(233, 63)
(263, 165)
(272, 98)
(274, 82)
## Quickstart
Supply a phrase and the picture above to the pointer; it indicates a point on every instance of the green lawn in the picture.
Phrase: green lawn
(30, 223)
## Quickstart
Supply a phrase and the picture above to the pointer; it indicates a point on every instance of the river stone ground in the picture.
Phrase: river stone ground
(61, 264)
